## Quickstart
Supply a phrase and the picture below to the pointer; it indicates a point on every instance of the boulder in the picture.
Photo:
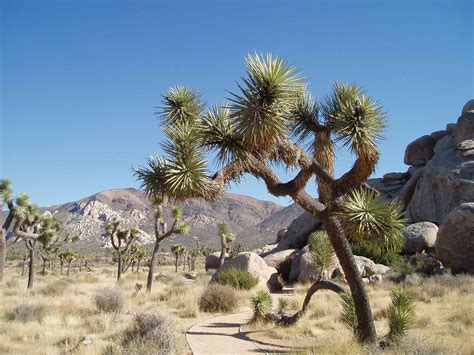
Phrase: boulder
(297, 234)
(420, 150)
(450, 127)
(468, 107)
(255, 265)
(419, 236)
(212, 260)
(366, 267)
(276, 259)
(381, 269)
(444, 143)
(455, 240)
(447, 181)
(281, 233)
(266, 249)
(396, 176)
(464, 128)
(439, 134)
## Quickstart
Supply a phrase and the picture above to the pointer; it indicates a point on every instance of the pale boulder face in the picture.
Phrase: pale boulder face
(420, 150)
(455, 240)
(419, 236)
(447, 181)
(278, 258)
(254, 264)
(297, 234)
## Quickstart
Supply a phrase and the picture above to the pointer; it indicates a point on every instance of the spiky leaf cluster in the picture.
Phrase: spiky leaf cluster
(305, 118)
(321, 251)
(267, 96)
(261, 304)
(401, 313)
(349, 316)
(368, 216)
(181, 104)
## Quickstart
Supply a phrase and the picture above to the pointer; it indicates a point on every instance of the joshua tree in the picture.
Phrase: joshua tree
(6, 198)
(227, 237)
(69, 256)
(194, 253)
(50, 248)
(254, 131)
(121, 240)
(177, 250)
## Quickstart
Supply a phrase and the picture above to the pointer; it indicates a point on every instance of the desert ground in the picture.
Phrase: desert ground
(62, 314)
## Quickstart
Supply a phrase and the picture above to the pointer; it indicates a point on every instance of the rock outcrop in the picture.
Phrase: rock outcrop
(298, 231)
(455, 240)
(212, 261)
(255, 265)
(419, 236)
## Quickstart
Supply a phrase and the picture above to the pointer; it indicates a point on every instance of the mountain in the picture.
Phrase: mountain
(255, 222)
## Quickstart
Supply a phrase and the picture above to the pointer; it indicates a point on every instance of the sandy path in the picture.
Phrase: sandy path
(221, 335)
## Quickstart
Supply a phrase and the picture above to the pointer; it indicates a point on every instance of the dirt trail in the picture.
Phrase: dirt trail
(221, 335)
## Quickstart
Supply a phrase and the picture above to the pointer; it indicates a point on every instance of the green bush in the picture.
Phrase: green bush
(110, 300)
(401, 314)
(261, 304)
(237, 278)
(26, 312)
(372, 251)
(218, 298)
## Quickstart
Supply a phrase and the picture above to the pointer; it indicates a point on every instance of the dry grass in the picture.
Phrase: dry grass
(445, 319)
(445, 308)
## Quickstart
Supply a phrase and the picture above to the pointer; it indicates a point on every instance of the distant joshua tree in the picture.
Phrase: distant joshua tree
(226, 237)
(177, 250)
(272, 120)
(121, 240)
(69, 256)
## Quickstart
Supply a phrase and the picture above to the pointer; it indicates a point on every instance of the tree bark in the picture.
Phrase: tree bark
(223, 250)
(365, 321)
(68, 268)
(119, 267)
(31, 271)
(3, 252)
(176, 263)
(43, 272)
(61, 263)
(151, 270)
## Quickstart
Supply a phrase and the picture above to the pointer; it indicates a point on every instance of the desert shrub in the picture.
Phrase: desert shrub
(13, 283)
(401, 314)
(283, 305)
(26, 312)
(237, 278)
(261, 304)
(217, 298)
(150, 330)
(349, 317)
(110, 300)
(56, 288)
(372, 251)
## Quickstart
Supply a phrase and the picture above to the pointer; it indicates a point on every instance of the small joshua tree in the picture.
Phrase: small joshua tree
(51, 248)
(121, 240)
(226, 237)
(177, 250)
(69, 256)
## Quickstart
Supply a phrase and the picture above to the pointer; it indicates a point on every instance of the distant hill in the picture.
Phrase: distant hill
(256, 222)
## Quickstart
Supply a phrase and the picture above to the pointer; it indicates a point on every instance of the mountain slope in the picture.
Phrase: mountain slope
(244, 215)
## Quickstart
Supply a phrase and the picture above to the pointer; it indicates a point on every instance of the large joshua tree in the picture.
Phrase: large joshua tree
(271, 120)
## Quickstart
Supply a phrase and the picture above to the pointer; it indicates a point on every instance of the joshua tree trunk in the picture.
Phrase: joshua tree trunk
(343, 252)
(138, 265)
(50, 265)
(61, 263)
(68, 268)
(43, 272)
(223, 250)
(31, 270)
(119, 267)
(184, 262)
(176, 259)
(152, 266)
(3, 252)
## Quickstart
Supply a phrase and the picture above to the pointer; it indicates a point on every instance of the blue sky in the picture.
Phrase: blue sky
(80, 79)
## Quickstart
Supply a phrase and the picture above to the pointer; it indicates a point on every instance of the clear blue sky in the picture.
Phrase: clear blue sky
(80, 79)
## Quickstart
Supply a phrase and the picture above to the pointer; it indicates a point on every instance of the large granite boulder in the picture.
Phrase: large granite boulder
(444, 143)
(278, 258)
(455, 240)
(464, 128)
(296, 237)
(468, 107)
(255, 265)
(419, 236)
(420, 150)
(446, 182)
(212, 260)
